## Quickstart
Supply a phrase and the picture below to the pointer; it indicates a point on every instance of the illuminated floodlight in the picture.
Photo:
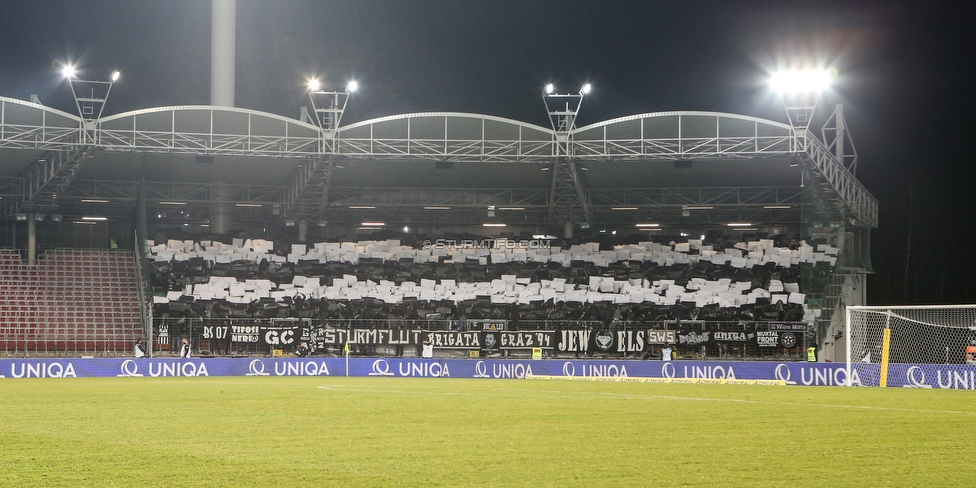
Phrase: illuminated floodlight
(585, 89)
(623, 208)
(549, 88)
(352, 86)
(115, 75)
(68, 71)
(314, 85)
(644, 226)
(491, 224)
(798, 81)
(373, 224)
(739, 224)
(93, 218)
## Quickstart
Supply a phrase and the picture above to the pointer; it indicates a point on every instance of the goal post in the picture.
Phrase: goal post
(913, 346)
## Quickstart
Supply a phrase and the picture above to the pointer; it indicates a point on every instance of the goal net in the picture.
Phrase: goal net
(920, 346)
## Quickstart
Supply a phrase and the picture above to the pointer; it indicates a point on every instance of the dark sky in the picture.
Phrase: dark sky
(905, 79)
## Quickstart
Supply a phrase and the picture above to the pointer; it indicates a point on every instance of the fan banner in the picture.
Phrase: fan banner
(280, 336)
(455, 340)
(788, 326)
(373, 337)
(482, 340)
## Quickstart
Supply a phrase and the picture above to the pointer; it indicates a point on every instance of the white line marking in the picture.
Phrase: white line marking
(524, 393)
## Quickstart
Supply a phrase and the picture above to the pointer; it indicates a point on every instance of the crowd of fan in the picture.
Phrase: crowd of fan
(513, 280)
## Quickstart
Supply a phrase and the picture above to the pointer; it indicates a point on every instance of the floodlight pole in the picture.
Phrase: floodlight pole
(800, 107)
(90, 98)
(562, 109)
(308, 194)
(328, 107)
(567, 188)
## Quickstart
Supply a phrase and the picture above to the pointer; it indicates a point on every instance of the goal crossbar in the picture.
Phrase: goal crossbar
(915, 340)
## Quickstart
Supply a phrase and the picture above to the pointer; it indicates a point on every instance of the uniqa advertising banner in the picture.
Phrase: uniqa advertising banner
(793, 373)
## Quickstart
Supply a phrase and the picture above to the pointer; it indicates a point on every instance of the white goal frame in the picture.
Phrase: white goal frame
(868, 339)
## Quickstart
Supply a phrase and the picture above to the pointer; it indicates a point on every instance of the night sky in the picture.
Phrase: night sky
(905, 79)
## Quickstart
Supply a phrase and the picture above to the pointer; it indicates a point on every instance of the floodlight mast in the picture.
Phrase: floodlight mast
(801, 91)
(329, 106)
(563, 109)
(90, 98)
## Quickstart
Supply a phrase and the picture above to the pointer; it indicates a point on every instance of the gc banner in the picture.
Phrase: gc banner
(285, 336)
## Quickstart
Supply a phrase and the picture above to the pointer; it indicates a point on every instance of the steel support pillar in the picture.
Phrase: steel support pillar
(31, 240)
(221, 210)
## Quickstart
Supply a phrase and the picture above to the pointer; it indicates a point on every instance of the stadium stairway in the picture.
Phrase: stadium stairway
(72, 302)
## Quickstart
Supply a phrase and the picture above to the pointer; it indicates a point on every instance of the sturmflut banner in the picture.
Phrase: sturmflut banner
(794, 373)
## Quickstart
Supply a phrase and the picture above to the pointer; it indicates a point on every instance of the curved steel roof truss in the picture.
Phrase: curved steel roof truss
(460, 137)
(25, 125)
(206, 130)
(682, 135)
(456, 137)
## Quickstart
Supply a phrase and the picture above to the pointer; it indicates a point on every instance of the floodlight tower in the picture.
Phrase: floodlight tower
(801, 91)
(90, 97)
(308, 195)
(568, 202)
(329, 106)
(562, 109)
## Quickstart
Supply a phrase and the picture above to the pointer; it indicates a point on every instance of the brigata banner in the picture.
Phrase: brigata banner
(793, 373)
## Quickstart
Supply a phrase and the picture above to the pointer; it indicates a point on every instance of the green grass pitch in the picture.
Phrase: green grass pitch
(324, 431)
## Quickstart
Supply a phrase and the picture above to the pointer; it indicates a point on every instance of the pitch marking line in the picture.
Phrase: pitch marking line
(636, 379)
(628, 396)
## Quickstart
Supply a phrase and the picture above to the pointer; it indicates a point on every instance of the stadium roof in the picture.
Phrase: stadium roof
(52, 160)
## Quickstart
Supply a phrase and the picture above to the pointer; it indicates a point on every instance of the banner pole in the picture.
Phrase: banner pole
(347, 358)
